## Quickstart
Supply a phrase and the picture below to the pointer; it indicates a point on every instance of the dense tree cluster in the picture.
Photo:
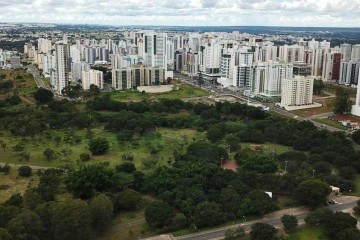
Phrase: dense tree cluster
(37, 215)
(193, 190)
(338, 225)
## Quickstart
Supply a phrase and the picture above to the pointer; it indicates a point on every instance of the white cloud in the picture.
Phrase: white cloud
(185, 12)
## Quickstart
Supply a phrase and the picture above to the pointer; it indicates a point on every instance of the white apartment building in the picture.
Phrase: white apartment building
(297, 91)
(44, 45)
(345, 50)
(349, 72)
(355, 53)
(60, 74)
(268, 78)
(291, 54)
(155, 49)
(92, 77)
(127, 78)
(76, 71)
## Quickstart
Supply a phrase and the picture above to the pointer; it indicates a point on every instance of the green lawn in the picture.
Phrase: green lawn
(268, 147)
(308, 233)
(328, 106)
(165, 140)
(330, 123)
(185, 91)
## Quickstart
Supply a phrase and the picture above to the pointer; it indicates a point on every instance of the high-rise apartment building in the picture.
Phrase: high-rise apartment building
(60, 74)
(155, 49)
(92, 77)
(297, 91)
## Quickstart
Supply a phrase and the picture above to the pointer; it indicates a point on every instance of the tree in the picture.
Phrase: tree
(319, 216)
(338, 222)
(71, 91)
(318, 86)
(290, 222)
(5, 169)
(356, 136)
(342, 102)
(15, 200)
(231, 201)
(4, 234)
(98, 146)
(215, 134)
(49, 183)
(94, 90)
(7, 212)
(43, 96)
(71, 220)
(85, 157)
(25, 226)
(32, 199)
(129, 199)
(25, 156)
(208, 214)
(179, 221)
(233, 234)
(127, 167)
(348, 234)
(261, 231)
(234, 142)
(158, 214)
(312, 192)
(258, 202)
(261, 164)
(357, 210)
(86, 180)
(101, 209)
(49, 154)
(24, 171)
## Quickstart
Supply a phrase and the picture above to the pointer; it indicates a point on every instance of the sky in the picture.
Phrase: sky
(304, 13)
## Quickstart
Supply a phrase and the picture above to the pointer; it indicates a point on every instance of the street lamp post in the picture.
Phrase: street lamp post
(229, 150)
(286, 163)
(313, 173)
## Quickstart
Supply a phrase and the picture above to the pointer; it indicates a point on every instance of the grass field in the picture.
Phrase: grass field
(328, 106)
(185, 91)
(268, 147)
(308, 233)
(24, 84)
(11, 184)
(129, 232)
(330, 123)
(165, 140)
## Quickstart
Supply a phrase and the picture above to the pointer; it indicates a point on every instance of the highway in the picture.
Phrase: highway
(226, 92)
(38, 80)
(275, 221)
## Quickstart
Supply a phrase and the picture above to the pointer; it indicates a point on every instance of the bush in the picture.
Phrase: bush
(98, 146)
(85, 157)
(357, 210)
(24, 171)
(290, 222)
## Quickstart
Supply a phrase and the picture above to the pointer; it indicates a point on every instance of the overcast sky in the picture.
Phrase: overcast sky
(331, 13)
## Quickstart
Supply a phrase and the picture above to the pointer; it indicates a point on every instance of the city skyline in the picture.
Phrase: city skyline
(323, 13)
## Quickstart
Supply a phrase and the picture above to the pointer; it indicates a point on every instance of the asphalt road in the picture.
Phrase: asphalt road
(276, 222)
(38, 80)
